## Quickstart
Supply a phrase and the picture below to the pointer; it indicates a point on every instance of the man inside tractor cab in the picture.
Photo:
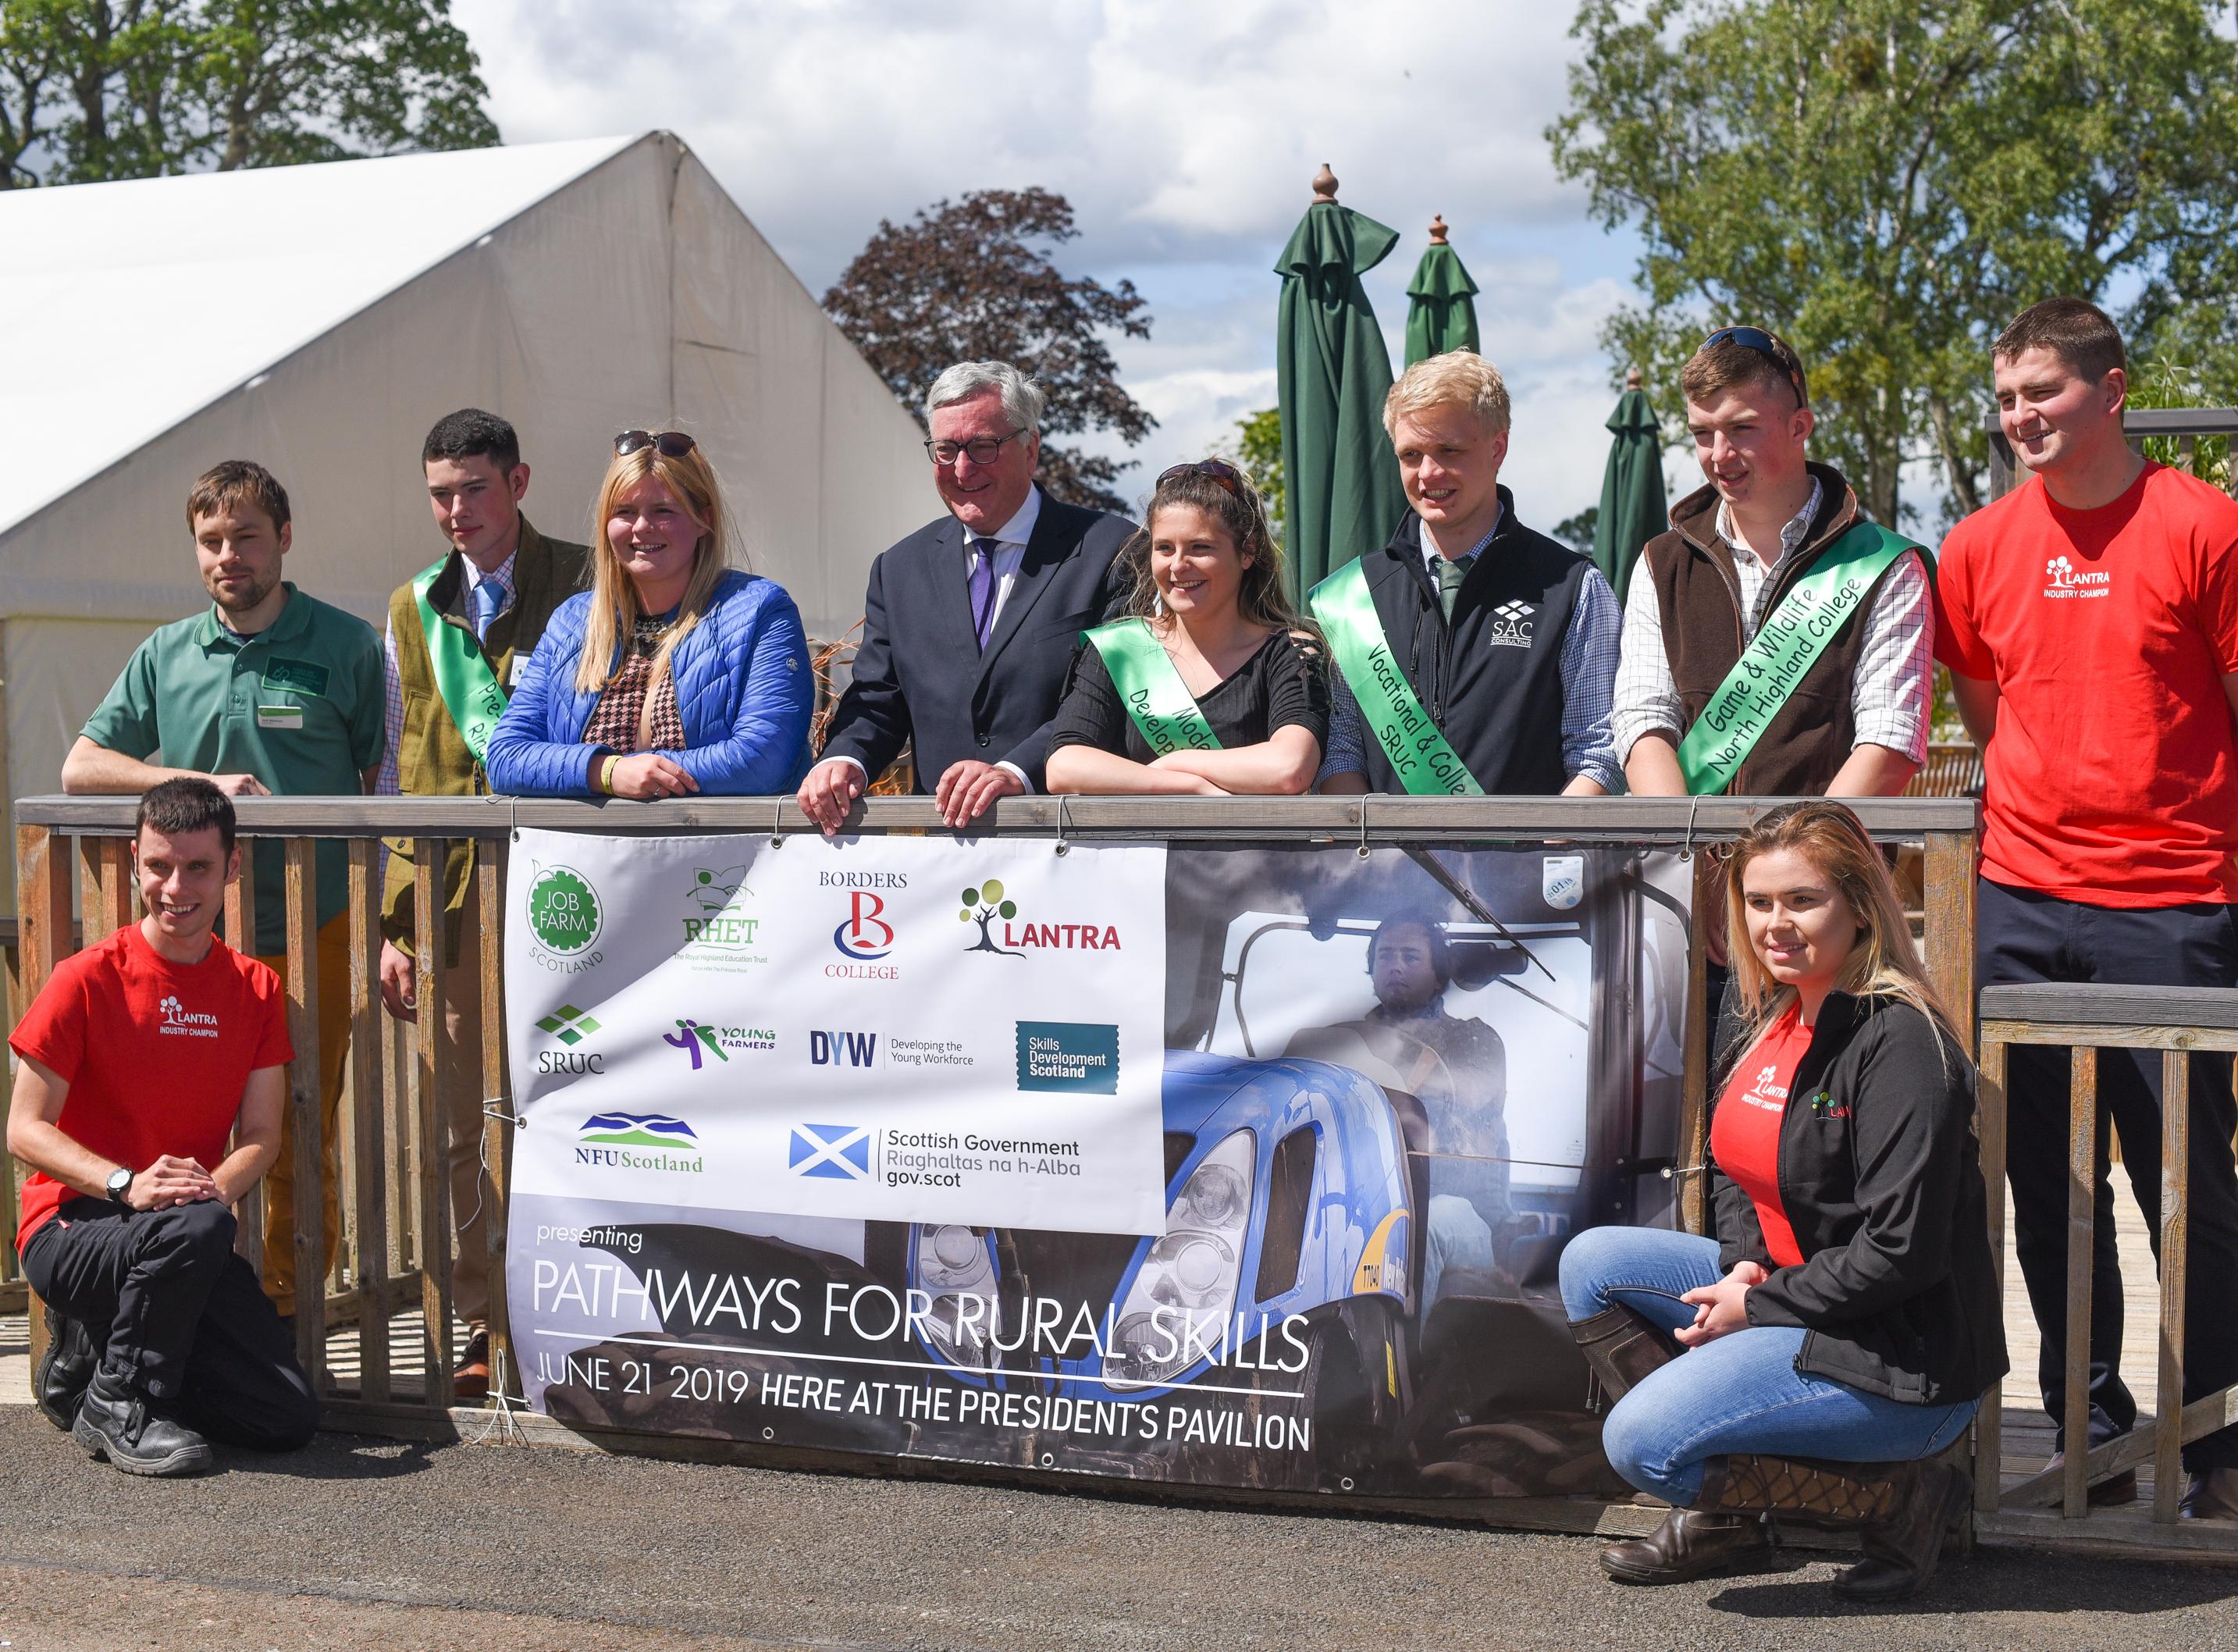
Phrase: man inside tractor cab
(1456, 1068)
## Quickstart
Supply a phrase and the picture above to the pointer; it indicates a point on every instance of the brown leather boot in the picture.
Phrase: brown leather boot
(1621, 1347)
(1902, 1549)
(1836, 1495)
(1690, 1544)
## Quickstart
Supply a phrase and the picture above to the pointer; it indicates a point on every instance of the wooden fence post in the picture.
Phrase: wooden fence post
(435, 1134)
(305, 1104)
(42, 931)
(367, 1193)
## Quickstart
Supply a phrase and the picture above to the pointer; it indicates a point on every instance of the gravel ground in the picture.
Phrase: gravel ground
(359, 1542)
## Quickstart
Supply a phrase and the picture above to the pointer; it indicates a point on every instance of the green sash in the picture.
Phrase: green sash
(1153, 692)
(1789, 643)
(463, 676)
(1414, 746)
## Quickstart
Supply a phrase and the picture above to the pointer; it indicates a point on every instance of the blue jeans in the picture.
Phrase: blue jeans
(1738, 1393)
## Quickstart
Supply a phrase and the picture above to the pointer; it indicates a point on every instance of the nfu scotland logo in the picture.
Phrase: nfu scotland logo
(564, 919)
(183, 1023)
(639, 1142)
(835, 1152)
(1512, 625)
(2066, 582)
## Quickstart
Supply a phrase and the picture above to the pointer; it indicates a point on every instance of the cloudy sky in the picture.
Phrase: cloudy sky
(1185, 133)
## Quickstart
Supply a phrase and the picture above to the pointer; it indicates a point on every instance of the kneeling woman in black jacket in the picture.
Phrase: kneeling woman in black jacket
(1842, 1326)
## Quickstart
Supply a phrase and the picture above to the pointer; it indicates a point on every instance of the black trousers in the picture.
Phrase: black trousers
(2025, 937)
(180, 1316)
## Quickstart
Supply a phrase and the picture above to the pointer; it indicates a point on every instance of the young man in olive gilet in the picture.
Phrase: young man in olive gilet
(459, 633)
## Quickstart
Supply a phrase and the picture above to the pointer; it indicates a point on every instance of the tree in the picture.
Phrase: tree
(1886, 183)
(966, 280)
(1577, 532)
(94, 89)
(1259, 450)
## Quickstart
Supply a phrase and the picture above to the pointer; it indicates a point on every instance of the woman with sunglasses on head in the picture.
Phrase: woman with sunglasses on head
(1811, 1360)
(674, 673)
(1209, 682)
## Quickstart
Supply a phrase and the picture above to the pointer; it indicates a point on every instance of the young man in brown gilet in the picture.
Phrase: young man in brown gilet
(492, 595)
(1854, 722)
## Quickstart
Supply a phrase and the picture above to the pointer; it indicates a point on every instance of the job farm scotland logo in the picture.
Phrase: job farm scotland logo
(179, 1022)
(2063, 580)
(639, 1142)
(564, 919)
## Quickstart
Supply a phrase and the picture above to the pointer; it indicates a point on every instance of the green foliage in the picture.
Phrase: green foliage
(1577, 532)
(1886, 183)
(94, 89)
(2195, 364)
(1259, 449)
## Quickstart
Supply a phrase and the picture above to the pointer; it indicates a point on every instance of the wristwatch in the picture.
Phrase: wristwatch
(120, 1183)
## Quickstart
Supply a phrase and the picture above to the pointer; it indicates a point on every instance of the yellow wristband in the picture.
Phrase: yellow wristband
(607, 775)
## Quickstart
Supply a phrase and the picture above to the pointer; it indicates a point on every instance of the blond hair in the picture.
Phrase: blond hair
(1458, 378)
(615, 608)
(1881, 964)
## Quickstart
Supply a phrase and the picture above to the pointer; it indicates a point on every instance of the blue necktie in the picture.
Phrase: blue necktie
(983, 589)
(488, 598)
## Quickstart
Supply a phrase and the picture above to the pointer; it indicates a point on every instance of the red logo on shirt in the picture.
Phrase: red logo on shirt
(2066, 582)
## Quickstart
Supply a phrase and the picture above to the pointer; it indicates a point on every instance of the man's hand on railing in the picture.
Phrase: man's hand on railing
(241, 786)
(830, 791)
(400, 982)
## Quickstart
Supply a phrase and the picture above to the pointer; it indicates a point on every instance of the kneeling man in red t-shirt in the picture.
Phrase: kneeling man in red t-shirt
(138, 1057)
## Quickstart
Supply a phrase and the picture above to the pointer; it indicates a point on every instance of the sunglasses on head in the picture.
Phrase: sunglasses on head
(1226, 475)
(1755, 338)
(674, 444)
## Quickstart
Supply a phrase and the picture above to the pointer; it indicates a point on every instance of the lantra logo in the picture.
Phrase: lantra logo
(1768, 1092)
(1512, 625)
(564, 919)
(988, 903)
(2065, 581)
(639, 1142)
(183, 1023)
(837, 1152)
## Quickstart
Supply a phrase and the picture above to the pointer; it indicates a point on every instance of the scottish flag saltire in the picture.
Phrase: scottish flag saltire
(841, 1151)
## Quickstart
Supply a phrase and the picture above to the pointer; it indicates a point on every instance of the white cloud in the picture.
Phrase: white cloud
(1184, 135)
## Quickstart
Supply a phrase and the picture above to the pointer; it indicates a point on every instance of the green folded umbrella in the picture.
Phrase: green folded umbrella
(1633, 509)
(1441, 316)
(1333, 371)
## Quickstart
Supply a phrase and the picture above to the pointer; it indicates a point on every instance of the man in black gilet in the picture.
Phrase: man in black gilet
(1507, 641)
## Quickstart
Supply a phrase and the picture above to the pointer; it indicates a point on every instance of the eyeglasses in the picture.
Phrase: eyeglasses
(672, 444)
(1755, 338)
(983, 449)
(1219, 470)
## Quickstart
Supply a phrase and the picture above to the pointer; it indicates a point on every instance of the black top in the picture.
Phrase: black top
(1491, 677)
(1881, 1180)
(1284, 685)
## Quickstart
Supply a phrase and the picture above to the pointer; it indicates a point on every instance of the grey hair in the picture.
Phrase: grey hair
(1021, 397)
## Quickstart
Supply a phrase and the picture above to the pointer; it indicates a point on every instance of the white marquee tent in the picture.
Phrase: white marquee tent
(318, 319)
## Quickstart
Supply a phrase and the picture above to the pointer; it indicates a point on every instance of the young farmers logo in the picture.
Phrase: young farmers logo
(699, 1040)
(569, 1027)
(564, 919)
(2065, 581)
(639, 1142)
(1511, 625)
(179, 1022)
(838, 1152)
(991, 903)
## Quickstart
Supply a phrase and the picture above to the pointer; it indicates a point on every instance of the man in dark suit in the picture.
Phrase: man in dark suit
(970, 624)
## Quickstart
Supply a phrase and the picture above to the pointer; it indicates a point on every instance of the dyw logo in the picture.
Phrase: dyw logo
(864, 933)
(838, 1152)
(693, 1039)
(842, 1049)
(1512, 625)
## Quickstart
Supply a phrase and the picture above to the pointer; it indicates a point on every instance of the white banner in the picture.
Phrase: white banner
(885, 1029)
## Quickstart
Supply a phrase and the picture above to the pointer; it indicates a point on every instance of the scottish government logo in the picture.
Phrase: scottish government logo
(639, 1142)
(836, 1152)
(564, 919)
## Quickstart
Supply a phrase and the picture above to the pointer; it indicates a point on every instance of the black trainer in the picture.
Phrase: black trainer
(114, 1422)
(66, 1369)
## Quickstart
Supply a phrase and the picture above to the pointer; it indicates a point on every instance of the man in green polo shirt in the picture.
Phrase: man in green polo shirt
(267, 692)
(459, 632)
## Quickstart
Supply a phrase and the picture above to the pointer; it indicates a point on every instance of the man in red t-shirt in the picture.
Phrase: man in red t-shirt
(137, 1059)
(2089, 618)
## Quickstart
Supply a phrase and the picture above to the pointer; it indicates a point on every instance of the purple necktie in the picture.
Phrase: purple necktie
(983, 589)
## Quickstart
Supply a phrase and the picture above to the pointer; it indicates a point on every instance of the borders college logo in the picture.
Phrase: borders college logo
(863, 934)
